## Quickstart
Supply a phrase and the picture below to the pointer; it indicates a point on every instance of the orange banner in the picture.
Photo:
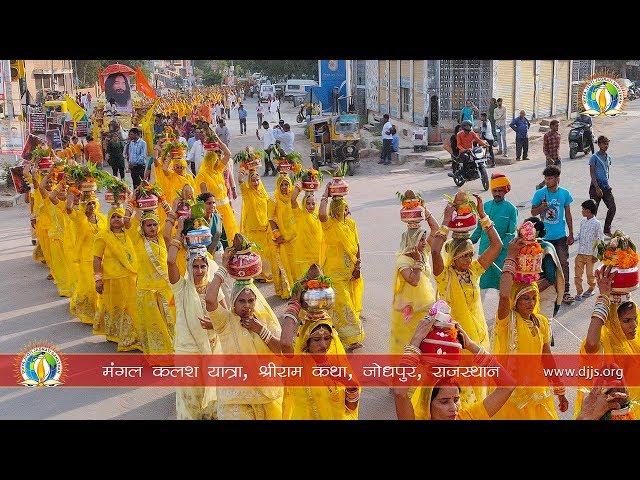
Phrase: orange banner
(143, 85)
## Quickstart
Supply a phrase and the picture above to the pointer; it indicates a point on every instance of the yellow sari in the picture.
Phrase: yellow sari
(318, 403)
(410, 304)
(43, 224)
(281, 213)
(194, 403)
(246, 403)
(59, 265)
(339, 256)
(211, 174)
(117, 304)
(155, 310)
(308, 240)
(513, 335)
(254, 223)
(421, 402)
(614, 342)
(84, 301)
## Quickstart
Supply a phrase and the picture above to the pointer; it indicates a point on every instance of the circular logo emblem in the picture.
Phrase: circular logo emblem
(41, 366)
(602, 96)
(333, 65)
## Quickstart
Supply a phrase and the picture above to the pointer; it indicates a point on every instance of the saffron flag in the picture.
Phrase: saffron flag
(147, 127)
(143, 86)
(77, 112)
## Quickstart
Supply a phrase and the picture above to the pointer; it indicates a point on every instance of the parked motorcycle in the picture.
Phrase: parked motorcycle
(473, 168)
(580, 137)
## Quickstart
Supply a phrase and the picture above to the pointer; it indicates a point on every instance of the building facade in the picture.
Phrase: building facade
(172, 74)
(423, 91)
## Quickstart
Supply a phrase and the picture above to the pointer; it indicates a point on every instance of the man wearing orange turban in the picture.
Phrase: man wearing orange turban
(505, 218)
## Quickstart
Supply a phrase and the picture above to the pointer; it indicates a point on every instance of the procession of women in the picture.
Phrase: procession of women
(172, 267)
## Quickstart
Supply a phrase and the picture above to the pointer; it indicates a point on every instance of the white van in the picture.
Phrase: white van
(267, 90)
(296, 87)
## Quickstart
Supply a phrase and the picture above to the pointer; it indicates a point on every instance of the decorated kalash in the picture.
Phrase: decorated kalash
(412, 211)
(464, 219)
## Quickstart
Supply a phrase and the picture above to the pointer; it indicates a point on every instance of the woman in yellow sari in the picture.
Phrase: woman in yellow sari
(458, 279)
(443, 400)
(308, 240)
(42, 187)
(282, 223)
(88, 221)
(612, 331)
(312, 333)
(55, 204)
(114, 269)
(254, 221)
(522, 329)
(192, 403)
(210, 178)
(341, 261)
(155, 310)
(413, 292)
(186, 194)
(248, 326)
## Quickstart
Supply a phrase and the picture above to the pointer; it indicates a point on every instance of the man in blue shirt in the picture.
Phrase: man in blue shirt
(137, 155)
(467, 112)
(553, 204)
(242, 115)
(600, 188)
(521, 125)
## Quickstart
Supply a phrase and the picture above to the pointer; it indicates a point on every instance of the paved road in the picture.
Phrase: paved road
(30, 309)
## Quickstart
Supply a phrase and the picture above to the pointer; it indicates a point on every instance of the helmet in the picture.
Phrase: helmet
(466, 125)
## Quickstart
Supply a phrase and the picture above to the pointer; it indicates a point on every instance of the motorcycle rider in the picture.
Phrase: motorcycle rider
(588, 135)
(465, 139)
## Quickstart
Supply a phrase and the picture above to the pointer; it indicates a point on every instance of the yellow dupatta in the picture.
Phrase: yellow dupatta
(255, 203)
(319, 403)
(85, 233)
(280, 210)
(614, 342)
(122, 252)
(210, 173)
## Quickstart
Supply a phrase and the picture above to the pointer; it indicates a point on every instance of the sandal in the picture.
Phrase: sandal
(568, 299)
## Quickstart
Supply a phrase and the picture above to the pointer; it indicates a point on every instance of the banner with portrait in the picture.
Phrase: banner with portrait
(117, 92)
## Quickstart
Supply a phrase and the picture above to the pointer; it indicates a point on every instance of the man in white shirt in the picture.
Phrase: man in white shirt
(273, 110)
(196, 153)
(486, 134)
(268, 144)
(223, 132)
(387, 137)
(285, 136)
(500, 116)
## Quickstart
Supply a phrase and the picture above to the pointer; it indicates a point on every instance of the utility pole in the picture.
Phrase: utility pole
(8, 89)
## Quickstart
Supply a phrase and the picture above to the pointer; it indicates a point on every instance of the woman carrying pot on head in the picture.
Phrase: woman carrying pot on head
(210, 178)
(192, 403)
(413, 292)
(282, 222)
(612, 331)
(521, 329)
(155, 319)
(309, 330)
(443, 400)
(458, 279)
(341, 261)
(254, 219)
(59, 228)
(88, 221)
(308, 239)
(185, 196)
(115, 270)
(247, 326)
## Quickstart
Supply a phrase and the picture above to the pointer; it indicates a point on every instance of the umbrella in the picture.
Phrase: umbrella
(115, 68)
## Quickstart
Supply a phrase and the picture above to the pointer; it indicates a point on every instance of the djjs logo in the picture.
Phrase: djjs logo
(40, 366)
(602, 95)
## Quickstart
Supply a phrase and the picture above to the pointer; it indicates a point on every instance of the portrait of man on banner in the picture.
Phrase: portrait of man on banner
(118, 89)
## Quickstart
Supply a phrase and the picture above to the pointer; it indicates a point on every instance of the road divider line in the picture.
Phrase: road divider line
(36, 308)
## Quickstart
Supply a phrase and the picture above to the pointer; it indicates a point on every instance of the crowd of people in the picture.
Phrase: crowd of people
(133, 278)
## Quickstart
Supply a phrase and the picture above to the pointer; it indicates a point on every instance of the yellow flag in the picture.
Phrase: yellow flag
(147, 127)
(76, 111)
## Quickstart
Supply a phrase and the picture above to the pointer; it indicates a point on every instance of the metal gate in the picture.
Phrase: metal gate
(462, 80)
(581, 70)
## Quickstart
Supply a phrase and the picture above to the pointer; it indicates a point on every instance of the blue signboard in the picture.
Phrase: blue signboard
(332, 84)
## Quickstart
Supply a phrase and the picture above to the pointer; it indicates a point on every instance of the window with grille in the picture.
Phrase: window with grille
(405, 99)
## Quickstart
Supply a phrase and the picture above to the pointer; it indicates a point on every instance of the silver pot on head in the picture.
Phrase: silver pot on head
(317, 299)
